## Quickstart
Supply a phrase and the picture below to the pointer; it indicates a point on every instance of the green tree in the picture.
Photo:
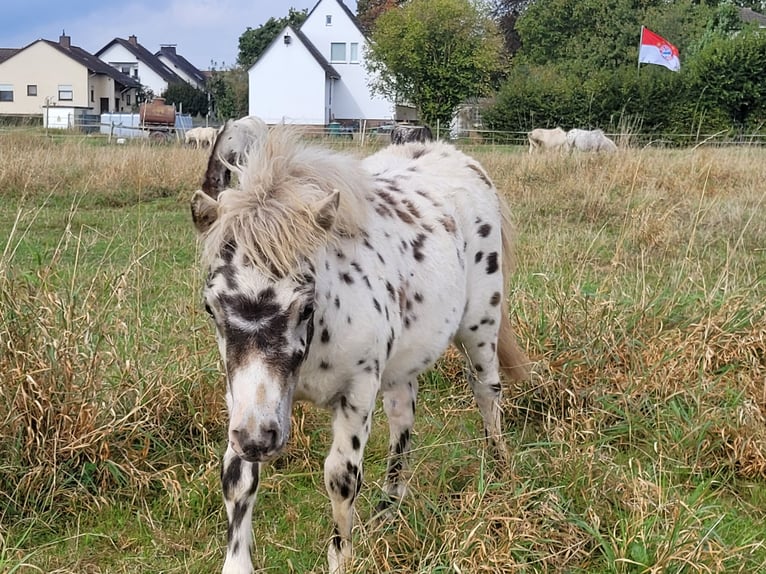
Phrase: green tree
(728, 74)
(434, 54)
(589, 34)
(254, 41)
(506, 13)
(368, 11)
(229, 92)
(187, 97)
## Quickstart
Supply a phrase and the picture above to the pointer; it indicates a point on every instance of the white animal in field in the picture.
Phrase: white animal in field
(235, 139)
(589, 140)
(192, 137)
(201, 137)
(541, 139)
(207, 136)
(333, 280)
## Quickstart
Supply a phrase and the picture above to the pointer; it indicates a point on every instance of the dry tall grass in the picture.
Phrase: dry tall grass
(639, 445)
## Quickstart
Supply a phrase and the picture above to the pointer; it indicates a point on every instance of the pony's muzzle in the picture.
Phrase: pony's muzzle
(260, 445)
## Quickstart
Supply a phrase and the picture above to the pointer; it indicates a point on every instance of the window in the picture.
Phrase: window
(353, 53)
(31, 89)
(125, 70)
(65, 93)
(92, 96)
(6, 92)
(337, 52)
(328, 20)
(127, 99)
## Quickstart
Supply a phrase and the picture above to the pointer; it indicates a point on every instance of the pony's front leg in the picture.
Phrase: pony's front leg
(239, 480)
(343, 475)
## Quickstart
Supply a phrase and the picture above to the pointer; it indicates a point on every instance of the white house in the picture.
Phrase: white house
(62, 82)
(316, 74)
(186, 70)
(131, 58)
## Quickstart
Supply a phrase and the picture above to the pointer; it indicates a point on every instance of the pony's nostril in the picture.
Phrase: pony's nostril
(238, 437)
(270, 436)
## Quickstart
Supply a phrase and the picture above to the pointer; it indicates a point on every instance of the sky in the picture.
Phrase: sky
(203, 31)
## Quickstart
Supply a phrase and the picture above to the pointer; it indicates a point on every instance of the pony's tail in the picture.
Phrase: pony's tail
(514, 362)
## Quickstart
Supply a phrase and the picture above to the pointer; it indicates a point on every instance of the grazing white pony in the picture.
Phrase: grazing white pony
(589, 140)
(201, 137)
(332, 279)
(541, 139)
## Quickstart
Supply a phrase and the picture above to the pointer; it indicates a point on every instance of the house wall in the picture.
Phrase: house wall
(287, 85)
(43, 66)
(353, 98)
(118, 57)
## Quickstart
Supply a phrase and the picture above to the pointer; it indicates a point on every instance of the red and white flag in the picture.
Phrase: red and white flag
(657, 50)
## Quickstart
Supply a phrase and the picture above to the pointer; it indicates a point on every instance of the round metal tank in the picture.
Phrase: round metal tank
(157, 112)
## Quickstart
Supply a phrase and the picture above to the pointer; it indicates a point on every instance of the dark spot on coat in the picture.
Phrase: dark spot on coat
(417, 246)
(448, 222)
(346, 278)
(492, 265)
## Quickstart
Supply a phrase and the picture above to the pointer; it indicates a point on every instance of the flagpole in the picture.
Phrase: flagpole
(640, 39)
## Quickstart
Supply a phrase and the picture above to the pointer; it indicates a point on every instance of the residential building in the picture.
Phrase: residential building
(6, 53)
(130, 57)
(315, 75)
(60, 76)
(181, 66)
(748, 15)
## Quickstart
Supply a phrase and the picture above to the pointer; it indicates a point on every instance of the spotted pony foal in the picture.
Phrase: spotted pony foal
(333, 279)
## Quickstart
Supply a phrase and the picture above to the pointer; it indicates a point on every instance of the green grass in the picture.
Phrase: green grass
(638, 445)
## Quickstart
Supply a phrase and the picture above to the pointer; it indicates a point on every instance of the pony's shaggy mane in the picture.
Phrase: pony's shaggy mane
(271, 214)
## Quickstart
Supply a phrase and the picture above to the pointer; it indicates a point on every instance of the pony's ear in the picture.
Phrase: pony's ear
(326, 210)
(204, 210)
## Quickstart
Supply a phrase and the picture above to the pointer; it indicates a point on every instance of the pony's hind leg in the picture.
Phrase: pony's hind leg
(477, 340)
(399, 403)
(239, 480)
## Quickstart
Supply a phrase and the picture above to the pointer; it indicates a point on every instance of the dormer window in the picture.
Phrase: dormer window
(328, 20)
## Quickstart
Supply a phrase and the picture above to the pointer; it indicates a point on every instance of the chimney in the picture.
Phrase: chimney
(65, 40)
(132, 40)
(168, 49)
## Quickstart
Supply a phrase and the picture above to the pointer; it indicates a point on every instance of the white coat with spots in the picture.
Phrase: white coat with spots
(335, 280)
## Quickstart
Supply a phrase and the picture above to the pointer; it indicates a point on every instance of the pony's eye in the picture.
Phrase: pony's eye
(208, 310)
(306, 312)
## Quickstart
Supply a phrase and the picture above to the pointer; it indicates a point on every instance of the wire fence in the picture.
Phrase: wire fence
(121, 132)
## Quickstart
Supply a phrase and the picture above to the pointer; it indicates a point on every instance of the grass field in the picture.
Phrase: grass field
(639, 444)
